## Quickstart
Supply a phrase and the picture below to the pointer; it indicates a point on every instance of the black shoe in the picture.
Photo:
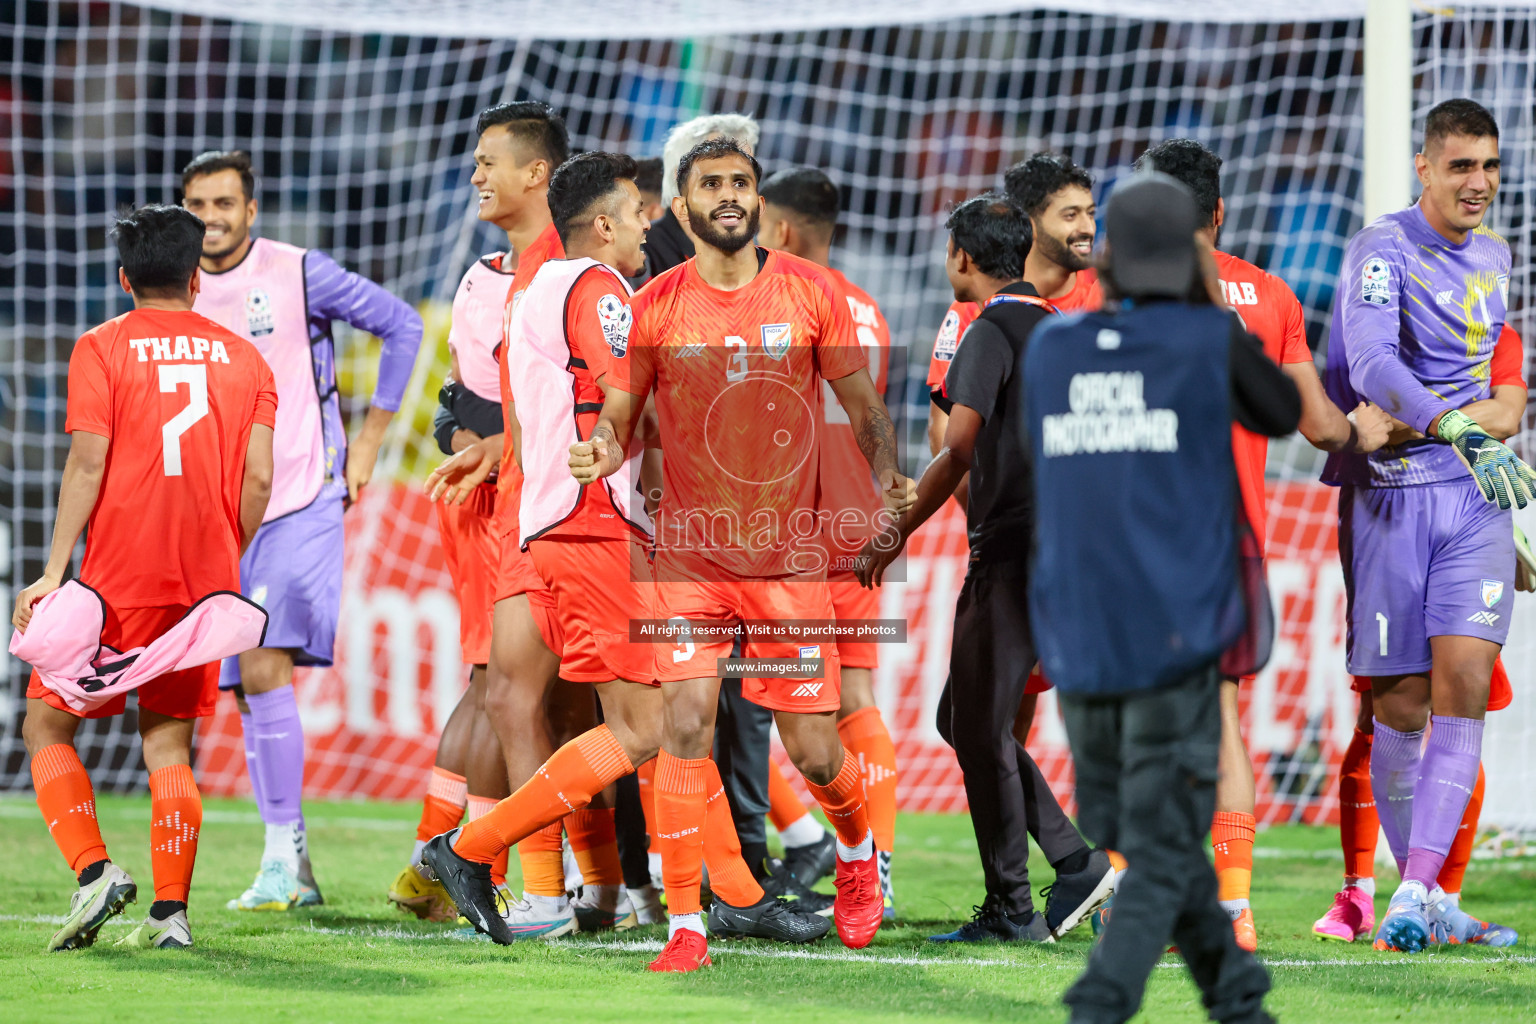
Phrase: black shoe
(812, 862)
(990, 924)
(782, 883)
(1071, 898)
(771, 918)
(469, 885)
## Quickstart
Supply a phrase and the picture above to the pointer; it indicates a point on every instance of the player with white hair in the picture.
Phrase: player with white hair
(669, 242)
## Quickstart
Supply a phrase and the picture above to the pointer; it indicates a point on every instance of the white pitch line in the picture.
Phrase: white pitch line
(830, 956)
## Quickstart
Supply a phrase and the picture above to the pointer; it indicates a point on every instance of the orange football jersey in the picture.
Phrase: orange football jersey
(176, 395)
(1086, 294)
(1507, 367)
(850, 492)
(1270, 311)
(737, 377)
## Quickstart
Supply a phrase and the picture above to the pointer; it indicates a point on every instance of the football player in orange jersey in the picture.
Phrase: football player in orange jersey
(170, 465)
(799, 216)
(1270, 311)
(469, 757)
(524, 696)
(733, 343)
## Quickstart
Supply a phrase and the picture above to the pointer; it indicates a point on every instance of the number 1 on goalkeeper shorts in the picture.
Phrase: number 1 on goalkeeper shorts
(1381, 626)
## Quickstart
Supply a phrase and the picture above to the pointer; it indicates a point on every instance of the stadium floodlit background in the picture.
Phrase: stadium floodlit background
(360, 114)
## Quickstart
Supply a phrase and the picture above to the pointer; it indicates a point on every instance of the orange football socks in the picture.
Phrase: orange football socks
(1358, 824)
(443, 806)
(542, 862)
(784, 806)
(865, 736)
(65, 797)
(682, 801)
(1232, 845)
(568, 781)
(478, 807)
(1455, 867)
(647, 774)
(175, 818)
(842, 801)
(729, 876)
(595, 845)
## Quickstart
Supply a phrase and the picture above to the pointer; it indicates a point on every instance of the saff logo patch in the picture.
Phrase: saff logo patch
(776, 339)
(1493, 592)
(1376, 282)
(259, 320)
(949, 338)
(614, 315)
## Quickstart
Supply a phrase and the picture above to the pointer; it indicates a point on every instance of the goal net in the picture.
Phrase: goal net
(359, 116)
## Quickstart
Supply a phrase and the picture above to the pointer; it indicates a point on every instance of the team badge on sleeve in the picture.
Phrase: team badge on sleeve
(777, 339)
(1376, 282)
(949, 338)
(615, 317)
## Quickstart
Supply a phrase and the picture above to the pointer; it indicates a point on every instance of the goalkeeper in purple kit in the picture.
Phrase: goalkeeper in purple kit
(1428, 552)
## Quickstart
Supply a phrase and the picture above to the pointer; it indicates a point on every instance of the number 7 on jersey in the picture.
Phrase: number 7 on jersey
(172, 376)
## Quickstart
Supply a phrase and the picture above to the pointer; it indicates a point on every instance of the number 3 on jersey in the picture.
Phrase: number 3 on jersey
(195, 377)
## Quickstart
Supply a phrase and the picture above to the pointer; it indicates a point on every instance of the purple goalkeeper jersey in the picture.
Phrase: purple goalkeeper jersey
(1414, 325)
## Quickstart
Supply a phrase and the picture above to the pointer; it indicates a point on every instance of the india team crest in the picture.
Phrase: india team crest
(1493, 592)
(776, 339)
(811, 651)
(615, 318)
(258, 313)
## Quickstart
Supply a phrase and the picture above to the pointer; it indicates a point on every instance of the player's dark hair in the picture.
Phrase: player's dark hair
(532, 123)
(807, 193)
(1458, 117)
(1194, 167)
(1032, 182)
(158, 247)
(648, 174)
(218, 160)
(994, 231)
(713, 149)
(582, 182)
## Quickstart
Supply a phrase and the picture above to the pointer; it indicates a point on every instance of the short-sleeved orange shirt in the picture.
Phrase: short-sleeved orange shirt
(509, 478)
(1086, 294)
(176, 395)
(737, 376)
(1507, 367)
(1271, 313)
(849, 490)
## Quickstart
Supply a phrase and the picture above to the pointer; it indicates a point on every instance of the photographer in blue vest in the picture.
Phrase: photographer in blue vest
(1136, 590)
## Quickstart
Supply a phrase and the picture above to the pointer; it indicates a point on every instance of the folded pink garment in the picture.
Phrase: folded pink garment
(63, 643)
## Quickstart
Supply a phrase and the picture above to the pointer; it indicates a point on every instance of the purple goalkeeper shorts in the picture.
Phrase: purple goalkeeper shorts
(1424, 561)
(293, 570)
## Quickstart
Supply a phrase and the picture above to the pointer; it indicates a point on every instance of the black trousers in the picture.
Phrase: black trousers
(1146, 786)
(989, 664)
(741, 754)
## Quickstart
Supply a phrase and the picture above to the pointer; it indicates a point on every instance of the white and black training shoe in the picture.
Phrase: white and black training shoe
(469, 885)
(92, 906)
(771, 918)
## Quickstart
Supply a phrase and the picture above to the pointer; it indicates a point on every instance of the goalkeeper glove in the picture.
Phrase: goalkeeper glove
(1525, 563)
(1497, 470)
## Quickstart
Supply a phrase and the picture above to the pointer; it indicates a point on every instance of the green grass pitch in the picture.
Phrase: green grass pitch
(358, 959)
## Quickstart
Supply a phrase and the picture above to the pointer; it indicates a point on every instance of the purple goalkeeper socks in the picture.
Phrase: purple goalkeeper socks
(1440, 797)
(1395, 761)
(277, 739)
(248, 734)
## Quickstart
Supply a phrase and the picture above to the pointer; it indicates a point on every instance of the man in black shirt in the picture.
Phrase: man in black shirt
(993, 651)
